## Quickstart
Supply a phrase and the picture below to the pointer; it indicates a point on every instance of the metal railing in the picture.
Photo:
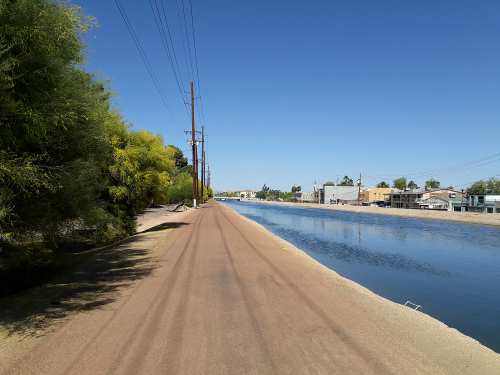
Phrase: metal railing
(412, 305)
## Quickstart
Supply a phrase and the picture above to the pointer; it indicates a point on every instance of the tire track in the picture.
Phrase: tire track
(178, 321)
(245, 294)
(335, 328)
(116, 313)
(151, 330)
(63, 328)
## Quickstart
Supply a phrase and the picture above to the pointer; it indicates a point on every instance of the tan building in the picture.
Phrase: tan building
(375, 195)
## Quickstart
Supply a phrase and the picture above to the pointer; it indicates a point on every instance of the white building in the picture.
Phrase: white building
(331, 194)
(307, 196)
(247, 194)
(484, 203)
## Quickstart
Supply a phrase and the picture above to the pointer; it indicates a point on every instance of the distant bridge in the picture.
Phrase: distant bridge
(227, 198)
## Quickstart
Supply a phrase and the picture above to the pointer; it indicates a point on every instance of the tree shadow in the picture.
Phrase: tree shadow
(94, 283)
(164, 226)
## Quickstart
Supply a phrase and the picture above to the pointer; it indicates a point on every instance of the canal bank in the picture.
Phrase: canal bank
(219, 294)
(451, 269)
(461, 217)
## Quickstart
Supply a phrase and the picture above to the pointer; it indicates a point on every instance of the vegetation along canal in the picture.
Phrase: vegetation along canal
(451, 269)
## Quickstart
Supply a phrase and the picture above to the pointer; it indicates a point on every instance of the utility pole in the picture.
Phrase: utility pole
(195, 149)
(208, 176)
(359, 190)
(202, 163)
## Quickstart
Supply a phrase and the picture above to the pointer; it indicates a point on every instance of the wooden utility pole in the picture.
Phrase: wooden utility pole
(202, 198)
(208, 176)
(195, 149)
(359, 190)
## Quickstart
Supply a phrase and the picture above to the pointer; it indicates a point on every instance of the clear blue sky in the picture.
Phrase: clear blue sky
(297, 91)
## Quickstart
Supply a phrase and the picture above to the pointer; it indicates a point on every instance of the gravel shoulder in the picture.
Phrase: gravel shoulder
(466, 217)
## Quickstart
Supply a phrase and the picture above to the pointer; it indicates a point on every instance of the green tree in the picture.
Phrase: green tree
(400, 183)
(52, 119)
(181, 162)
(346, 181)
(382, 184)
(432, 184)
(491, 186)
(263, 193)
(412, 185)
(296, 189)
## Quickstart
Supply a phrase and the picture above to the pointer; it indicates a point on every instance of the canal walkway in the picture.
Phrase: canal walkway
(211, 292)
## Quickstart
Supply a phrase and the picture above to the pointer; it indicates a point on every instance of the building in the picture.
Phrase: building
(405, 199)
(420, 198)
(306, 196)
(247, 194)
(375, 196)
(486, 203)
(331, 194)
(441, 203)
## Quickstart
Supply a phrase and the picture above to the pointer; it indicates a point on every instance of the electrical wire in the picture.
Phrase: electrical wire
(140, 50)
(162, 24)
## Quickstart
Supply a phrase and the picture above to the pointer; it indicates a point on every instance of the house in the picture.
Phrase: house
(375, 196)
(486, 203)
(331, 194)
(406, 198)
(307, 197)
(441, 203)
(247, 194)
(419, 198)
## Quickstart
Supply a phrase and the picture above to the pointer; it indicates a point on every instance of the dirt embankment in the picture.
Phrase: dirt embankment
(464, 217)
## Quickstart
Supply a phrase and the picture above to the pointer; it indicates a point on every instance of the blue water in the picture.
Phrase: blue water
(451, 269)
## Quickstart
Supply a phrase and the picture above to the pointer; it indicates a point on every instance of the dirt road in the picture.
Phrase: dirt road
(226, 297)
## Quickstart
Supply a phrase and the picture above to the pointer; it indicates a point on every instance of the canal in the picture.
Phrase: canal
(451, 269)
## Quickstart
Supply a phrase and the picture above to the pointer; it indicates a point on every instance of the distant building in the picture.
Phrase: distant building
(421, 198)
(405, 199)
(375, 196)
(485, 203)
(331, 194)
(247, 194)
(306, 197)
(441, 203)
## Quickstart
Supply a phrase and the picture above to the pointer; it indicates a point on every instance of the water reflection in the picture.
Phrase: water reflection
(351, 253)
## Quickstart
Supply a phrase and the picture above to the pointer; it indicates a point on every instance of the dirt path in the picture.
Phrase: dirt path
(226, 297)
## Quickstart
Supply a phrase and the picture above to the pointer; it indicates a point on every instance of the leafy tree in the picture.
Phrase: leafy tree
(412, 185)
(296, 189)
(382, 184)
(263, 193)
(181, 162)
(52, 117)
(432, 184)
(181, 190)
(491, 186)
(400, 183)
(141, 171)
(346, 181)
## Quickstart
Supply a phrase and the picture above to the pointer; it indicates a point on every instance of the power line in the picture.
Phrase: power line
(140, 50)
(162, 24)
(193, 29)
(493, 158)
(186, 45)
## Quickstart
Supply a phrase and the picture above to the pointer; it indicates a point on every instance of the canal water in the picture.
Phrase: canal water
(451, 269)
